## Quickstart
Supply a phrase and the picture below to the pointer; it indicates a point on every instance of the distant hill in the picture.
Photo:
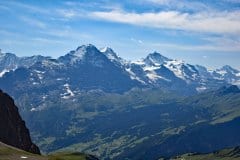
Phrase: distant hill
(225, 154)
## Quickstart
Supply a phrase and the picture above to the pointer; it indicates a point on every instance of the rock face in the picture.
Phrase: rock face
(13, 130)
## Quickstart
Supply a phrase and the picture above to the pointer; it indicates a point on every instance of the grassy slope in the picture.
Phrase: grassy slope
(10, 153)
(225, 154)
(93, 116)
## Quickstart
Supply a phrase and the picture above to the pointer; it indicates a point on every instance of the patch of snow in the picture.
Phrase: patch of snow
(39, 71)
(111, 57)
(69, 93)
(236, 83)
(140, 62)
(33, 109)
(194, 76)
(133, 76)
(190, 68)
(218, 78)
(221, 72)
(80, 52)
(35, 83)
(104, 49)
(153, 76)
(210, 70)
(175, 67)
(201, 88)
(50, 64)
(40, 76)
(3, 72)
(23, 157)
(150, 68)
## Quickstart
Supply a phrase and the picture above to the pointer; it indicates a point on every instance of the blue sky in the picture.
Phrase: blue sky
(199, 32)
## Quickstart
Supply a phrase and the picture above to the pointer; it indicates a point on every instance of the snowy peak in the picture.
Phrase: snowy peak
(229, 69)
(80, 53)
(109, 53)
(85, 54)
(226, 72)
(155, 58)
(113, 57)
(182, 70)
(107, 50)
(8, 61)
(155, 70)
(7, 56)
(84, 50)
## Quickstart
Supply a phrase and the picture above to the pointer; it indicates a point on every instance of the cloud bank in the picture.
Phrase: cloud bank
(215, 22)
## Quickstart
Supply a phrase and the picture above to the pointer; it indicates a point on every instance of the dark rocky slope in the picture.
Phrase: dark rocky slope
(13, 130)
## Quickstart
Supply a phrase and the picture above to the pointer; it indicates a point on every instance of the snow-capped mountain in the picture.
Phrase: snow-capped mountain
(158, 70)
(85, 54)
(88, 68)
(83, 69)
(228, 74)
(9, 61)
(113, 57)
(155, 58)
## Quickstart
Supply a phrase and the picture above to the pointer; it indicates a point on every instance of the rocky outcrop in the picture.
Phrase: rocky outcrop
(13, 130)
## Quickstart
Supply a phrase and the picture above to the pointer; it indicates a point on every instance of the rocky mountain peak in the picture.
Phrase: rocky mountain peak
(229, 89)
(112, 56)
(156, 58)
(228, 68)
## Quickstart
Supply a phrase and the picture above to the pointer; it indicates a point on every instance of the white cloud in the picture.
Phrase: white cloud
(233, 1)
(203, 48)
(33, 22)
(210, 22)
(27, 7)
(136, 40)
(47, 41)
(179, 4)
(160, 2)
(66, 33)
(67, 13)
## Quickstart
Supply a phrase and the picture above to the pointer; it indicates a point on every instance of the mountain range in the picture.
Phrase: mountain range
(93, 101)
(88, 68)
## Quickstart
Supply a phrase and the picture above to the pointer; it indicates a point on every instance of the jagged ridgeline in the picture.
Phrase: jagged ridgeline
(88, 68)
(93, 101)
